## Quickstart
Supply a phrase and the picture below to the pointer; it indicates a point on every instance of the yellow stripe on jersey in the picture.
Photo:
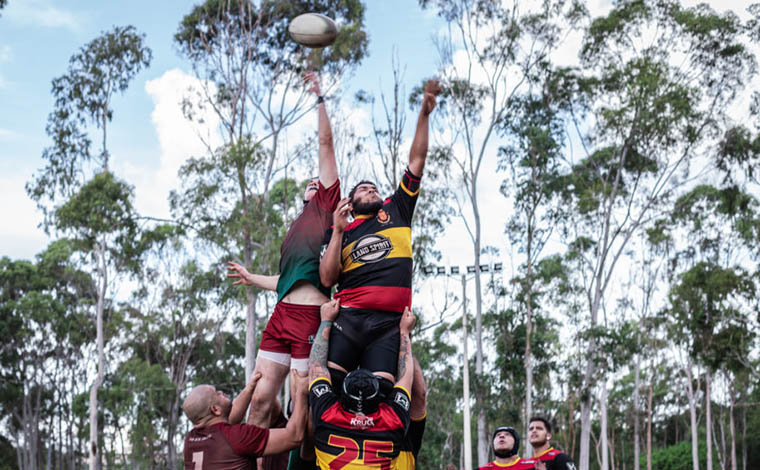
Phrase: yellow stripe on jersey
(406, 190)
(401, 243)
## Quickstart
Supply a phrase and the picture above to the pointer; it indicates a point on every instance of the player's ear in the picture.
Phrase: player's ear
(548, 436)
(215, 410)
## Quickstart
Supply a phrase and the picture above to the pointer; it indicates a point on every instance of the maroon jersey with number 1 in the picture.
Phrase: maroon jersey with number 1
(224, 446)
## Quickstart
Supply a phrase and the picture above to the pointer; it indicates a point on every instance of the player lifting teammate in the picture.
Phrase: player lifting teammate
(371, 260)
(285, 342)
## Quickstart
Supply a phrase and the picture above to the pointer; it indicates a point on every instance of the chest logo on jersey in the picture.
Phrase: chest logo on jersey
(362, 422)
(383, 217)
(371, 249)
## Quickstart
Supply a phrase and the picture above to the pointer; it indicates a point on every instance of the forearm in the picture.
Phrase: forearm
(405, 370)
(318, 354)
(264, 282)
(240, 405)
(329, 266)
(328, 168)
(419, 149)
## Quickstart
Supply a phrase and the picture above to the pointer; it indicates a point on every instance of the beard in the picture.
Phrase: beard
(539, 442)
(363, 208)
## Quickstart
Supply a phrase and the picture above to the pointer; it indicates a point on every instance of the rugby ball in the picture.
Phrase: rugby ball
(313, 30)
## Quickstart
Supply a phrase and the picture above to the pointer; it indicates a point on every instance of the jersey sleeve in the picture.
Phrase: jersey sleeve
(246, 440)
(416, 430)
(400, 402)
(321, 397)
(405, 197)
(327, 198)
(562, 462)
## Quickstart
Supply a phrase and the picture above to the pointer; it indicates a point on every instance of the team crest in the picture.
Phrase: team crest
(402, 400)
(371, 249)
(383, 217)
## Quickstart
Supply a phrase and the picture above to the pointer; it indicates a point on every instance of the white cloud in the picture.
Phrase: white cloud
(20, 237)
(178, 140)
(41, 13)
(5, 134)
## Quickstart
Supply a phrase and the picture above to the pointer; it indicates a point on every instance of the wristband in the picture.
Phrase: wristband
(320, 99)
(326, 323)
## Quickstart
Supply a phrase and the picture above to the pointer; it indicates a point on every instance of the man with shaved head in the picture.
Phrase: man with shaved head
(215, 444)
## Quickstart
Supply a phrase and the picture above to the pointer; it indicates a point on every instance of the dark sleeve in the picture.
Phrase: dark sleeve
(327, 198)
(562, 462)
(416, 430)
(405, 197)
(400, 402)
(321, 397)
(246, 440)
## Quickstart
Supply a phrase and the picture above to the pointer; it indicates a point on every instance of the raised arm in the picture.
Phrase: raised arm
(329, 265)
(290, 437)
(241, 402)
(236, 271)
(328, 169)
(419, 149)
(405, 374)
(318, 356)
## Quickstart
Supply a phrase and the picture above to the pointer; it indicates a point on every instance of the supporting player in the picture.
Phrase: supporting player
(359, 429)
(371, 259)
(539, 435)
(216, 444)
(506, 443)
(286, 340)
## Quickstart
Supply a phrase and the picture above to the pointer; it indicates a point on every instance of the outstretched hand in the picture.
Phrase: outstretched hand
(236, 271)
(312, 78)
(432, 89)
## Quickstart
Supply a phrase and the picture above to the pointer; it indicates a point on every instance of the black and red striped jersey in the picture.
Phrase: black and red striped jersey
(352, 442)
(376, 255)
(555, 460)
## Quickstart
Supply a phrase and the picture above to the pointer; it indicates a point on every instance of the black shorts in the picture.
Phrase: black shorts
(365, 338)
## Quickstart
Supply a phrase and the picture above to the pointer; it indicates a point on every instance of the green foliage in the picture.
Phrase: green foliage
(83, 95)
(260, 30)
(676, 457)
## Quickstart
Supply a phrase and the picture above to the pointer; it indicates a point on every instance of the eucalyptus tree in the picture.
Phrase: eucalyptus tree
(98, 212)
(249, 75)
(488, 53)
(43, 306)
(656, 79)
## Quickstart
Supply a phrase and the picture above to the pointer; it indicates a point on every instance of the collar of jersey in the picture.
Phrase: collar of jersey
(505, 465)
(543, 453)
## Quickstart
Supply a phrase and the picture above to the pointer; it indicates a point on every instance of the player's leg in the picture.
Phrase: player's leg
(381, 353)
(345, 344)
(273, 361)
(274, 367)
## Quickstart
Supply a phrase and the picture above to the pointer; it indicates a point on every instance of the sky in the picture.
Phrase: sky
(148, 136)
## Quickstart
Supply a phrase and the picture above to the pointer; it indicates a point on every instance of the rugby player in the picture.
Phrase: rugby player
(371, 260)
(286, 340)
(214, 443)
(506, 443)
(359, 428)
(539, 435)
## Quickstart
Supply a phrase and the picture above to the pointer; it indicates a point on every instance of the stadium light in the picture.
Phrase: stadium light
(455, 270)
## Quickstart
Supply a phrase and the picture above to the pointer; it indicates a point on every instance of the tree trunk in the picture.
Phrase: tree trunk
(636, 385)
(731, 424)
(708, 420)
(528, 450)
(744, 437)
(251, 321)
(483, 441)
(649, 427)
(693, 417)
(603, 426)
(102, 271)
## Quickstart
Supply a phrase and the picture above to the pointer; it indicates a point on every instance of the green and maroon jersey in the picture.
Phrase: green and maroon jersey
(376, 255)
(224, 446)
(299, 253)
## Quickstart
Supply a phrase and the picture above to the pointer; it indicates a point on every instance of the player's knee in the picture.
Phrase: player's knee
(262, 405)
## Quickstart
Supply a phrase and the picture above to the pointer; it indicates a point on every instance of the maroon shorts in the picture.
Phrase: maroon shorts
(291, 330)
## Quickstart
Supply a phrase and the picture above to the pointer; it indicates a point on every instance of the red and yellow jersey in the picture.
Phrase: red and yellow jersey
(348, 441)
(376, 255)
(519, 464)
(555, 460)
